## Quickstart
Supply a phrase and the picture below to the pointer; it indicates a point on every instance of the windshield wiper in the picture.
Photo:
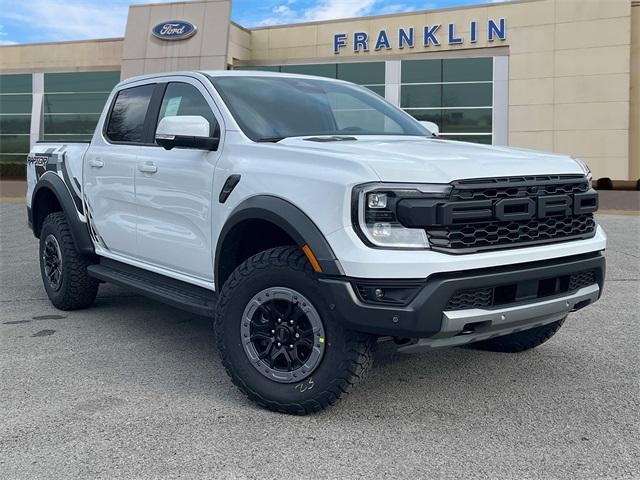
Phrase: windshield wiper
(270, 139)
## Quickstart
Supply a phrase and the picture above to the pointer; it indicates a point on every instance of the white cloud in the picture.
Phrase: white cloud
(323, 10)
(336, 9)
(330, 9)
(282, 10)
(52, 20)
(4, 34)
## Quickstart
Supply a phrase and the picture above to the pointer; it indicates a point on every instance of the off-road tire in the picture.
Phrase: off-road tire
(347, 354)
(78, 289)
(521, 341)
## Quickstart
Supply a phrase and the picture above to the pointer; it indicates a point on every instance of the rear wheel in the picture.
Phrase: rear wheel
(63, 268)
(279, 339)
(521, 341)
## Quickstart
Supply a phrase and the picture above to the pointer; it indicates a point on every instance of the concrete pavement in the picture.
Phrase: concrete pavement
(134, 389)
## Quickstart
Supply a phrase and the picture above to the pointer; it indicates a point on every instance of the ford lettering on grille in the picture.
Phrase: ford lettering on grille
(505, 212)
(516, 209)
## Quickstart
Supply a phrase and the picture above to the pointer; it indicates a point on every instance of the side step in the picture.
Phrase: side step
(179, 294)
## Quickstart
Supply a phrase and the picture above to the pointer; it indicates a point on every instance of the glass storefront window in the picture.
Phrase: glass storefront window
(362, 73)
(328, 70)
(421, 71)
(14, 144)
(15, 103)
(74, 124)
(467, 69)
(73, 102)
(15, 119)
(367, 74)
(467, 95)
(12, 124)
(455, 93)
(467, 120)
(72, 82)
(421, 96)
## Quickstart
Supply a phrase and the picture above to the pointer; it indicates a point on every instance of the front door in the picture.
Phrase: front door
(109, 172)
(174, 191)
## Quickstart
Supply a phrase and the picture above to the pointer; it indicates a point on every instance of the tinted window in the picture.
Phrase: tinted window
(365, 73)
(319, 70)
(74, 101)
(268, 108)
(455, 93)
(182, 99)
(467, 69)
(126, 123)
(422, 71)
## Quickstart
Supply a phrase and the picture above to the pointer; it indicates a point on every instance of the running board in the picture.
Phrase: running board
(179, 294)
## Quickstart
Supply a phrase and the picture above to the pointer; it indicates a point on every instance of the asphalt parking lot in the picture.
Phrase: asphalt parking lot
(134, 389)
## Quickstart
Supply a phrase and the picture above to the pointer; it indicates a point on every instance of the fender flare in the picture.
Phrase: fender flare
(79, 229)
(291, 220)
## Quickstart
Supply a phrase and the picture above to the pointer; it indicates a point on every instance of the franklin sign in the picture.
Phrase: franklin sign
(427, 36)
(174, 30)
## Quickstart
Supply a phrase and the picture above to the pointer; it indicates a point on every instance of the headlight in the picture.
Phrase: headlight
(375, 218)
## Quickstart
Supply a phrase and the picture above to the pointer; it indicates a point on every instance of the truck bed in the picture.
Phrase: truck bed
(63, 158)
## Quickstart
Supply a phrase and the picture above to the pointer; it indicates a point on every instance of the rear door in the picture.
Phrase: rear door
(109, 171)
(174, 190)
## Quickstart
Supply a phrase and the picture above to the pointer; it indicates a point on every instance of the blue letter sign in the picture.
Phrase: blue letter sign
(404, 38)
(339, 41)
(496, 29)
(430, 35)
(383, 41)
(493, 29)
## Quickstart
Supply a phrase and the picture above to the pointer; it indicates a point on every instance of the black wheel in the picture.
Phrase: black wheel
(521, 341)
(63, 268)
(280, 341)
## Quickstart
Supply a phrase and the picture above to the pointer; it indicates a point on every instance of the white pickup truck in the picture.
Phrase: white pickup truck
(310, 218)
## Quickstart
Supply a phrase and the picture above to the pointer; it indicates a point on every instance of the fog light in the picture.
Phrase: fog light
(377, 200)
(387, 294)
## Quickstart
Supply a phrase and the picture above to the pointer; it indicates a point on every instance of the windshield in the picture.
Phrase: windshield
(273, 108)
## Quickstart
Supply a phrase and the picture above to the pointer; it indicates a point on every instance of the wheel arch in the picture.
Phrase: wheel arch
(277, 215)
(52, 195)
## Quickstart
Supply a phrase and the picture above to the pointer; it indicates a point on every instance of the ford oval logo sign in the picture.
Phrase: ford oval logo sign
(174, 30)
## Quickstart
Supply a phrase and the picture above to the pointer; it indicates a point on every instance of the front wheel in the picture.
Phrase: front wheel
(279, 339)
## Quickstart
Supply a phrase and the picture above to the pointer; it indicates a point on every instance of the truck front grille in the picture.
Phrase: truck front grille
(498, 213)
(496, 234)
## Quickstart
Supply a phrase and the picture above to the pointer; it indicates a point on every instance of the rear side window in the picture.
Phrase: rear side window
(126, 122)
(184, 99)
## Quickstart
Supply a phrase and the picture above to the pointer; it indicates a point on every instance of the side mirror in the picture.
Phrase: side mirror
(432, 127)
(188, 131)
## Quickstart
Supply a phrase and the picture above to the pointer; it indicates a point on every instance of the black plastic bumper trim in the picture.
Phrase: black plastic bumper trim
(422, 317)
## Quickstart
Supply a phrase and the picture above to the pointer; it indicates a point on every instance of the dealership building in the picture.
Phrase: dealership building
(553, 75)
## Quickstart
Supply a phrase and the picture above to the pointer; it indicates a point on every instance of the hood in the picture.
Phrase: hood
(425, 160)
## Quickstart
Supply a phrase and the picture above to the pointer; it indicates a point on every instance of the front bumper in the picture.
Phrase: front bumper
(428, 315)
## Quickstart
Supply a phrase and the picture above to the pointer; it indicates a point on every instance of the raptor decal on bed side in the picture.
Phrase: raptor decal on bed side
(39, 161)
(52, 161)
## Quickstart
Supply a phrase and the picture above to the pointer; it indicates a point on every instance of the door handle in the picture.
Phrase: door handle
(94, 162)
(148, 167)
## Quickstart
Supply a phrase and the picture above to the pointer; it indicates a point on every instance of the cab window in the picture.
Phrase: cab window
(182, 99)
(126, 121)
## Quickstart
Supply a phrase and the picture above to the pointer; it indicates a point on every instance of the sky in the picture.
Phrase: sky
(34, 21)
